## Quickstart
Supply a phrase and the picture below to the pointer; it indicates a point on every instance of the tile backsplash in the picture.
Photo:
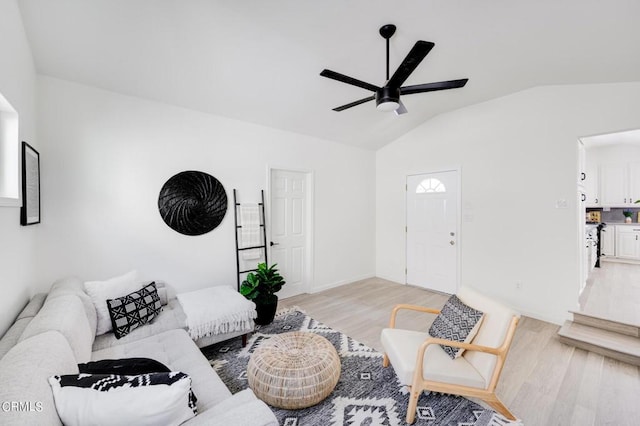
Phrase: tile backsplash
(615, 214)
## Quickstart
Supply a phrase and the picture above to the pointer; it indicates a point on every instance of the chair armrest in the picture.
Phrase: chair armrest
(394, 312)
(467, 346)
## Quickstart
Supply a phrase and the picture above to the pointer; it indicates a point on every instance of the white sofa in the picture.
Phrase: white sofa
(55, 332)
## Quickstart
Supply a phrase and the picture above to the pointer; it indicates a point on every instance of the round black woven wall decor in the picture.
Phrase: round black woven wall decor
(192, 203)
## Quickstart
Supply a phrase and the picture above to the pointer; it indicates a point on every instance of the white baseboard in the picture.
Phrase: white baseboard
(318, 289)
(558, 320)
(393, 280)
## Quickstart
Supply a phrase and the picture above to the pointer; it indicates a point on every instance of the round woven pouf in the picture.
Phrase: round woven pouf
(294, 370)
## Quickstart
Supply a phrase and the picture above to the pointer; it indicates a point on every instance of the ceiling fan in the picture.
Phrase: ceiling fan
(388, 96)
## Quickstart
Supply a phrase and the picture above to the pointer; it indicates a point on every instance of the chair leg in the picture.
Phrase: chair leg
(385, 361)
(244, 340)
(497, 405)
(413, 404)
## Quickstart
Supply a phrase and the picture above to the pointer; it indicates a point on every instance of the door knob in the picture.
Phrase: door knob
(451, 242)
(273, 244)
(452, 233)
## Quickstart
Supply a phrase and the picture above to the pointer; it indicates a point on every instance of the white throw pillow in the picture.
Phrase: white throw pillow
(103, 399)
(100, 291)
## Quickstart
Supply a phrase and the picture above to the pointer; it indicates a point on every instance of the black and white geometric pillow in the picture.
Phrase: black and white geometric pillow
(133, 310)
(109, 399)
(457, 322)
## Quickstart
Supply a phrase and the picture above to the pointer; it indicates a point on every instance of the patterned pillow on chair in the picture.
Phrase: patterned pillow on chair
(133, 310)
(457, 322)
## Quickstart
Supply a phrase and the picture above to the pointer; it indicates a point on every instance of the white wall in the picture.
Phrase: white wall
(17, 243)
(518, 156)
(108, 155)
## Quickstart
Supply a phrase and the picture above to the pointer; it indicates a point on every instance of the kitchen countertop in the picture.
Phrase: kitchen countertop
(616, 223)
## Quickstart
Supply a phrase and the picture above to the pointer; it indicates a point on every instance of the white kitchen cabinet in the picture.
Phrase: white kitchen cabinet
(619, 184)
(634, 181)
(608, 241)
(628, 242)
(614, 184)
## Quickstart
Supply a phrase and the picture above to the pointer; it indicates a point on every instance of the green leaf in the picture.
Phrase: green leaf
(262, 285)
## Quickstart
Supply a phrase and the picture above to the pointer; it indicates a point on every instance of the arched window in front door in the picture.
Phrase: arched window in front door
(430, 185)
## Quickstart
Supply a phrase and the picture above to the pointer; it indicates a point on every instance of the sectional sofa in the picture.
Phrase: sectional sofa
(56, 331)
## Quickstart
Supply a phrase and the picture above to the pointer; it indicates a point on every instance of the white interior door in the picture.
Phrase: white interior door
(290, 236)
(432, 231)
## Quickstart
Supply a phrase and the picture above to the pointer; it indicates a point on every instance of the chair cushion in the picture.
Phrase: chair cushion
(73, 285)
(401, 346)
(457, 322)
(495, 324)
(171, 318)
(24, 371)
(66, 315)
(176, 350)
(33, 307)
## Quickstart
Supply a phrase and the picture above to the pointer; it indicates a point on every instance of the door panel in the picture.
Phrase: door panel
(297, 216)
(432, 234)
(290, 235)
(278, 216)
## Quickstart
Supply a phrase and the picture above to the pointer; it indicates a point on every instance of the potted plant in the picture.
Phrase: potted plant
(627, 215)
(261, 288)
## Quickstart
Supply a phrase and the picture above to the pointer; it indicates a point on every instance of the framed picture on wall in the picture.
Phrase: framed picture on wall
(30, 211)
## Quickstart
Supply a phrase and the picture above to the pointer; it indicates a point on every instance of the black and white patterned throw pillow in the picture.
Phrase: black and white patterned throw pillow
(457, 322)
(110, 399)
(133, 310)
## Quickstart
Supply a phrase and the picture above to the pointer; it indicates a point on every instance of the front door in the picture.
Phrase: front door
(290, 201)
(432, 231)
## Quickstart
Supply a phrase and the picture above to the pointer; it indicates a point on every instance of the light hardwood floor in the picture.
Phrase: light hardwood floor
(544, 382)
(613, 292)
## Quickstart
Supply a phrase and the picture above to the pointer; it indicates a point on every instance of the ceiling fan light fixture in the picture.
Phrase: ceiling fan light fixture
(388, 106)
(387, 99)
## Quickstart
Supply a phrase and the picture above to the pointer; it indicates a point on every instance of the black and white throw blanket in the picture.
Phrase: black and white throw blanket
(366, 394)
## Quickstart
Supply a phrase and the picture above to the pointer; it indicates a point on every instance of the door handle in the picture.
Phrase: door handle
(274, 244)
(451, 242)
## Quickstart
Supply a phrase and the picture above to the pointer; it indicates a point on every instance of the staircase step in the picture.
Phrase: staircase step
(606, 323)
(608, 343)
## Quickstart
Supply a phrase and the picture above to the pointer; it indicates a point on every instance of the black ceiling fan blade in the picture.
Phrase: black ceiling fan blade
(349, 80)
(410, 63)
(432, 87)
(352, 104)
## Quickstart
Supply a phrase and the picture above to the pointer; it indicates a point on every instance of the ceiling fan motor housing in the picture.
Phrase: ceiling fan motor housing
(387, 95)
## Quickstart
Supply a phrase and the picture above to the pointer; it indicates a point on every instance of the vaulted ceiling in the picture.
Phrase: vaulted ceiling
(258, 60)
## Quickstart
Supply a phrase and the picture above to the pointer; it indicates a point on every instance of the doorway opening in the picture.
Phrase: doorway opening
(609, 237)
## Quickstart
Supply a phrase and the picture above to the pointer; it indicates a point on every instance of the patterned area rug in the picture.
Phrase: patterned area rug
(367, 393)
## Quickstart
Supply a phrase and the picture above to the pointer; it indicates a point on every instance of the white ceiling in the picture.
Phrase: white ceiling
(258, 60)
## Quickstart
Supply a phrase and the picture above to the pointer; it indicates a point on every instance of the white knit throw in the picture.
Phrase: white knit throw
(217, 310)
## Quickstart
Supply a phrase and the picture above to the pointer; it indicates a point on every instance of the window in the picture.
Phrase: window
(9, 155)
(430, 185)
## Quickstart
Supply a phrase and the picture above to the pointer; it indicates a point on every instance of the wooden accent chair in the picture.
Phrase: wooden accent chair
(422, 364)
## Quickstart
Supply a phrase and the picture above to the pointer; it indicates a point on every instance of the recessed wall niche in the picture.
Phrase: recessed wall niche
(9, 155)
